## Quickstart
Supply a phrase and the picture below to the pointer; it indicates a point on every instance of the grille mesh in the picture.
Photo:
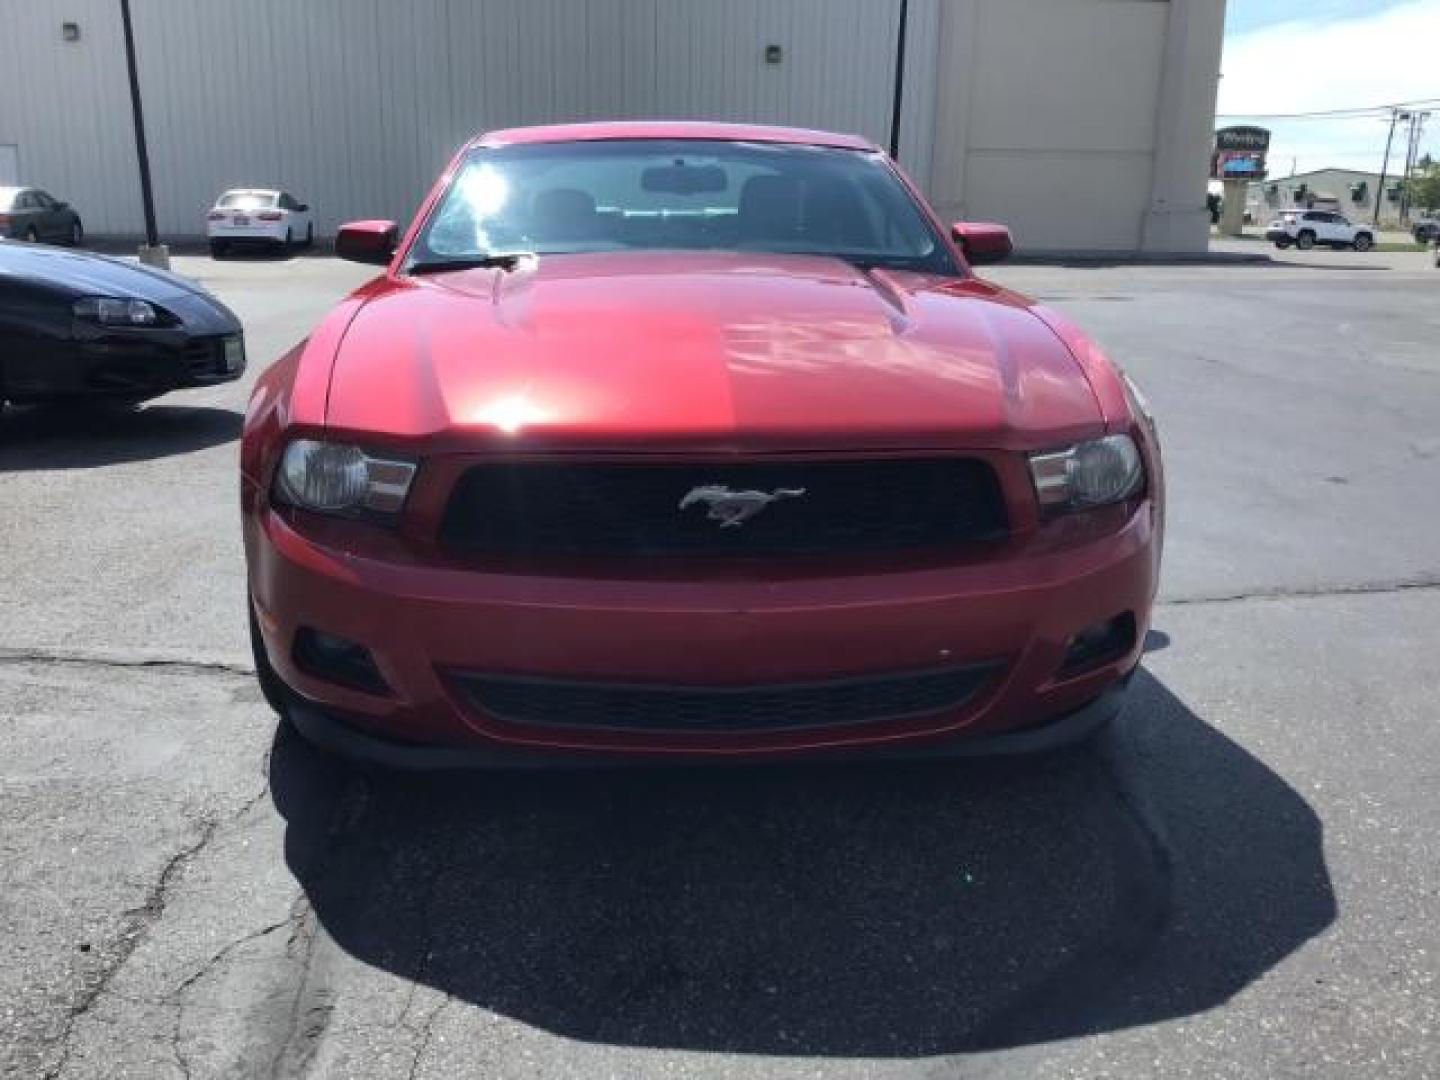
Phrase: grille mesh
(619, 707)
(868, 505)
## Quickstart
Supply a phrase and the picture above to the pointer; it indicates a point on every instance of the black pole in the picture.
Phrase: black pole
(147, 196)
(1385, 166)
(899, 79)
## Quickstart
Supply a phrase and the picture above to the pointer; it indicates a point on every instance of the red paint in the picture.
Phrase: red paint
(687, 356)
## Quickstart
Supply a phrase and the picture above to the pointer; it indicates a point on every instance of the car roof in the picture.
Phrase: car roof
(251, 191)
(669, 129)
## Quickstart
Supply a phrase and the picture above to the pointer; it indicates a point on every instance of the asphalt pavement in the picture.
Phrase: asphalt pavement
(1241, 880)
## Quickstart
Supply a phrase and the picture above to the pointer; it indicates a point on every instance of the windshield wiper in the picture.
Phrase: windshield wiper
(507, 261)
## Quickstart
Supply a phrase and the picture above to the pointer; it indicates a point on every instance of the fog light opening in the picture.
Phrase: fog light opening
(338, 660)
(1099, 644)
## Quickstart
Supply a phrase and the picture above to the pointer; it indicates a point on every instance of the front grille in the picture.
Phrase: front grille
(872, 505)
(777, 707)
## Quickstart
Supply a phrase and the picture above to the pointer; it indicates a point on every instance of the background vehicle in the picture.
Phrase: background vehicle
(80, 326)
(1307, 228)
(258, 216)
(693, 440)
(27, 213)
(1427, 228)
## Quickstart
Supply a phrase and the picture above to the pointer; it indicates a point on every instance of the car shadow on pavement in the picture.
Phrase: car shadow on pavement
(884, 910)
(52, 437)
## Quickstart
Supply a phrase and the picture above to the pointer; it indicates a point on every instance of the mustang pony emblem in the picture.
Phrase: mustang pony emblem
(733, 508)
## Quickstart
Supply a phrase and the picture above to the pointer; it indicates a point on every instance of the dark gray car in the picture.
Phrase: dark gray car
(27, 213)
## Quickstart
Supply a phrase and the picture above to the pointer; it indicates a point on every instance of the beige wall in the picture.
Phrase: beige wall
(1082, 124)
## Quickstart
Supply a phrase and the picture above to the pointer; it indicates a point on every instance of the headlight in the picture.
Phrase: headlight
(1138, 401)
(116, 311)
(1088, 474)
(334, 478)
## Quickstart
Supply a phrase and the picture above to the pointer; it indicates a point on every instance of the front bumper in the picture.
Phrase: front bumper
(1015, 610)
(337, 737)
(1276, 235)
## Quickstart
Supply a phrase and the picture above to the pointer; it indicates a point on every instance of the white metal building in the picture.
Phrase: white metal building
(1083, 124)
(1350, 191)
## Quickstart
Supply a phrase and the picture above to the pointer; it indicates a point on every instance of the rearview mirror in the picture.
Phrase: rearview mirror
(982, 241)
(685, 179)
(303, 208)
(367, 241)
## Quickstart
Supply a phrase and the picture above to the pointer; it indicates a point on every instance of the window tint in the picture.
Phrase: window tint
(681, 194)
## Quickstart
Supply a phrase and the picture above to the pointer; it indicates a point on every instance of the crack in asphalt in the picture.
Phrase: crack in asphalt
(427, 1033)
(15, 656)
(1363, 588)
(312, 1006)
(139, 920)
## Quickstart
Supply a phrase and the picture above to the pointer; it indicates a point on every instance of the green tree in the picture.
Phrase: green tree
(1425, 188)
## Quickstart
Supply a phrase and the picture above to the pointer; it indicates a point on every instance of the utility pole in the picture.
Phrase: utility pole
(152, 253)
(899, 79)
(1417, 126)
(1395, 115)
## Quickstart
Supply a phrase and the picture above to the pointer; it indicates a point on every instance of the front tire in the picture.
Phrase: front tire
(1305, 241)
(1363, 242)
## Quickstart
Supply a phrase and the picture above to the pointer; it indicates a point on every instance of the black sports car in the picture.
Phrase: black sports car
(75, 325)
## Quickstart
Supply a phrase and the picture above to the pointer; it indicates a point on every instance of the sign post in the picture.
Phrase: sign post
(1239, 158)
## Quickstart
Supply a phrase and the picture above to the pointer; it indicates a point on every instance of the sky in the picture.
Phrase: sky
(1288, 56)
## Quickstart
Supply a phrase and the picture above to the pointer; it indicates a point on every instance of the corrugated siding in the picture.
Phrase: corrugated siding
(356, 104)
(66, 107)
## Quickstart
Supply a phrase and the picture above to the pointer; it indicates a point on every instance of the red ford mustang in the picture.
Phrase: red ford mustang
(692, 441)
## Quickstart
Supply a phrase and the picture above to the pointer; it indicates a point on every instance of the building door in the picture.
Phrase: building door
(9, 165)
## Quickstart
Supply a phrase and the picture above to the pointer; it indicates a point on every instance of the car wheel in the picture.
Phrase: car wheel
(218, 248)
(1364, 241)
(1305, 241)
(276, 693)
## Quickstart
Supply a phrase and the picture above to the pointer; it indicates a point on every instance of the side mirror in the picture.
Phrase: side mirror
(982, 241)
(367, 241)
(62, 206)
(303, 208)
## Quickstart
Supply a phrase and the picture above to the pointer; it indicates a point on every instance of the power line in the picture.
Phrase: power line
(1324, 114)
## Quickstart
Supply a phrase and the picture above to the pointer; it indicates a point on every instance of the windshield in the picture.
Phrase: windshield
(247, 200)
(680, 194)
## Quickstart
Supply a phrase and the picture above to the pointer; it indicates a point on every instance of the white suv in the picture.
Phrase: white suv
(1306, 228)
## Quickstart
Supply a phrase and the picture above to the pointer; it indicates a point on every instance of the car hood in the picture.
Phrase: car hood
(639, 351)
(81, 273)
